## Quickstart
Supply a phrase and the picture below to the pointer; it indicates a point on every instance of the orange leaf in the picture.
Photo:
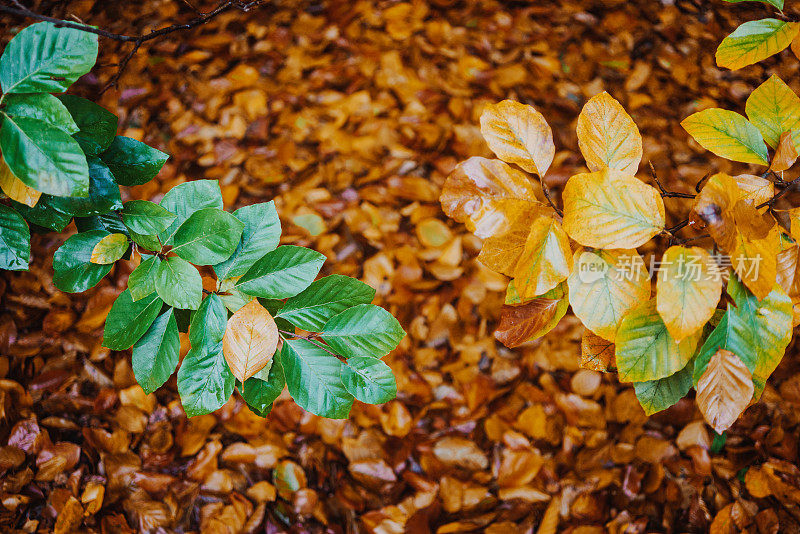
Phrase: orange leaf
(250, 340)
(713, 209)
(755, 188)
(518, 324)
(785, 154)
(597, 354)
(503, 251)
(724, 390)
(518, 134)
(607, 136)
(787, 265)
(546, 260)
(485, 194)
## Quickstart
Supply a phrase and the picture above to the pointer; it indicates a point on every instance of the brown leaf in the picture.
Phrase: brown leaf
(724, 390)
(520, 323)
(250, 340)
(785, 154)
(597, 354)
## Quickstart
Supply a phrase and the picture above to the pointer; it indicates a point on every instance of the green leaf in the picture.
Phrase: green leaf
(282, 273)
(128, 321)
(728, 135)
(657, 395)
(73, 270)
(45, 59)
(208, 236)
(97, 126)
(103, 194)
(43, 107)
(145, 217)
(732, 334)
(770, 322)
(205, 383)
(110, 222)
(313, 377)
(323, 299)
(261, 234)
(179, 284)
(369, 380)
(363, 330)
(15, 240)
(109, 249)
(235, 299)
(184, 199)
(147, 242)
(261, 390)
(133, 162)
(645, 350)
(44, 157)
(155, 355)
(208, 322)
(142, 281)
(44, 214)
(755, 40)
(774, 108)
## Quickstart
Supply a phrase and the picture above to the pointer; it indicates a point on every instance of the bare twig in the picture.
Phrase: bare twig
(664, 192)
(137, 40)
(546, 192)
(779, 194)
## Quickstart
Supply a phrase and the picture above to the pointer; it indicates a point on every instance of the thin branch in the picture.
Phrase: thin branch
(664, 192)
(310, 339)
(779, 194)
(137, 40)
(546, 192)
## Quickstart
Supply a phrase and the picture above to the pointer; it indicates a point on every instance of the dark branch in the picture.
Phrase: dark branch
(546, 192)
(771, 202)
(664, 192)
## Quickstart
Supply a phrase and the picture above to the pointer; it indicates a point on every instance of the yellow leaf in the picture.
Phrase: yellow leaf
(755, 261)
(774, 109)
(15, 189)
(604, 285)
(109, 249)
(607, 135)
(533, 319)
(250, 340)
(785, 154)
(755, 40)
(597, 354)
(687, 290)
(518, 134)
(728, 135)
(754, 188)
(794, 223)
(610, 209)
(502, 252)
(546, 260)
(724, 390)
(485, 194)
(787, 264)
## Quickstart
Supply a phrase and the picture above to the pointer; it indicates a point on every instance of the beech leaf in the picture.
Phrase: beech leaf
(533, 319)
(728, 135)
(607, 135)
(250, 340)
(518, 134)
(545, 260)
(774, 109)
(755, 40)
(724, 390)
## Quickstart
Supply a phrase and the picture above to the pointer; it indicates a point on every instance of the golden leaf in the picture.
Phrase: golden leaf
(607, 135)
(787, 264)
(728, 135)
(250, 340)
(610, 209)
(687, 290)
(15, 189)
(755, 251)
(785, 154)
(502, 252)
(597, 354)
(545, 261)
(774, 109)
(724, 390)
(604, 285)
(518, 134)
(755, 188)
(533, 319)
(713, 209)
(486, 194)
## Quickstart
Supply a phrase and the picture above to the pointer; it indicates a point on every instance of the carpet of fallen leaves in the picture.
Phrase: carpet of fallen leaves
(351, 114)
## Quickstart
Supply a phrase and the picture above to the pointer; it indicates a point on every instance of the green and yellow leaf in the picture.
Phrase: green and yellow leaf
(728, 135)
(545, 261)
(687, 290)
(109, 249)
(610, 209)
(774, 109)
(646, 350)
(604, 285)
(15, 189)
(755, 40)
(518, 134)
(658, 395)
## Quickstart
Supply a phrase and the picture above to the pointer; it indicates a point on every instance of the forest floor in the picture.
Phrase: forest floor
(350, 114)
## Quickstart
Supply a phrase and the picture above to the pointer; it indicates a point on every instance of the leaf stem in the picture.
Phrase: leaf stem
(546, 192)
